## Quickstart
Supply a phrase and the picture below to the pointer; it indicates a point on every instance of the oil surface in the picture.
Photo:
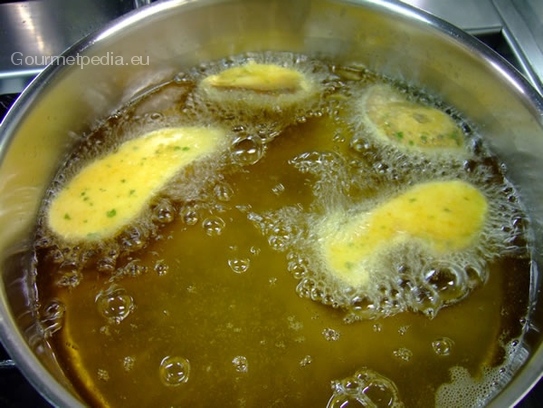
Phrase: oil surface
(216, 296)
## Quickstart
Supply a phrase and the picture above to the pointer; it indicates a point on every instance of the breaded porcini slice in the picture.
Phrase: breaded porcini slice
(111, 192)
(259, 86)
(443, 216)
(391, 117)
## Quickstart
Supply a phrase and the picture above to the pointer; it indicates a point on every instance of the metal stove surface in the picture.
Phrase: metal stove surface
(513, 28)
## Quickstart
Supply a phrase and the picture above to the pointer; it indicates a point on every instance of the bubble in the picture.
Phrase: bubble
(213, 225)
(223, 192)
(181, 78)
(366, 388)
(132, 239)
(131, 269)
(403, 354)
(103, 375)
(70, 279)
(443, 346)
(447, 280)
(106, 264)
(331, 334)
(174, 371)
(70, 276)
(161, 268)
(114, 304)
(154, 117)
(297, 266)
(128, 363)
(52, 317)
(189, 215)
(164, 212)
(278, 189)
(247, 150)
(239, 265)
(240, 364)
(306, 361)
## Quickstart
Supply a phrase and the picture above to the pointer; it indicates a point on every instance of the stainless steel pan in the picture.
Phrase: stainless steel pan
(392, 38)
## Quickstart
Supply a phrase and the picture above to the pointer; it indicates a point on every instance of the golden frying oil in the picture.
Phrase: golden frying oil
(209, 299)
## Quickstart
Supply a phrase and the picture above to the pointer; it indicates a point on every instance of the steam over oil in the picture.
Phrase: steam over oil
(344, 240)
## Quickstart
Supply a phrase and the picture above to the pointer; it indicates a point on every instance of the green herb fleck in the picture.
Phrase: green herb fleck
(67, 217)
(186, 148)
(131, 192)
(111, 213)
(446, 209)
(399, 135)
(123, 181)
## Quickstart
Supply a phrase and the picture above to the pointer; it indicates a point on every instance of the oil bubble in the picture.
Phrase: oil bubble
(403, 354)
(366, 388)
(132, 239)
(164, 212)
(297, 266)
(189, 215)
(70, 276)
(114, 304)
(331, 334)
(106, 264)
(52, 317)
(103, 375)
(213, 225)
(247, 150)
(443, 346)
(278, 189)
(448, 281)
(280, 236)
(240, 364)
(174, 371)
(128, 363)
(306, 361)
(377, 327)
(161, 268)
(223, 192)
(239, 265)
(181, 78)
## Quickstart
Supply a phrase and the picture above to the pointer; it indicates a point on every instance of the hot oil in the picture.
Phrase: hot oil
(213, 306)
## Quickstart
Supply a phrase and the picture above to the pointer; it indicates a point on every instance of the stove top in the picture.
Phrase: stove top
(513, 28)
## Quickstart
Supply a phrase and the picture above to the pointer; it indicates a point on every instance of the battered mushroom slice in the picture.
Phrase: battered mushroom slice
(391, 117)
(442, 217)
(111, 192)
(259, 86)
